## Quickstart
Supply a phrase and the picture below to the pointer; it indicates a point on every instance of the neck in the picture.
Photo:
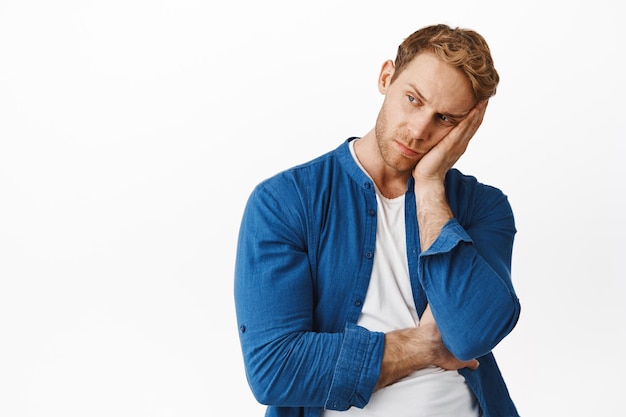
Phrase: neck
(390, 182)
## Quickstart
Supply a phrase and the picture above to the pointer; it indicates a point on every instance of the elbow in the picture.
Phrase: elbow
(269, 375)
(263, 388)
(262, 395)
(263, 377)
(485, 335)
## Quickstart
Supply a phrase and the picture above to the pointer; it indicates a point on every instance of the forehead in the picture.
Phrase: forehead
(439, 83)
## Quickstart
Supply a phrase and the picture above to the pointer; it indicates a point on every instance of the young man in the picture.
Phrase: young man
(375, 280)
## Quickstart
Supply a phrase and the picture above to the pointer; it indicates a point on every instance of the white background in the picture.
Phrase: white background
(131, 133)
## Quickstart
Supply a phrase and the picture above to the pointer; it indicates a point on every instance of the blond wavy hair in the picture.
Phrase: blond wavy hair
(463, 48)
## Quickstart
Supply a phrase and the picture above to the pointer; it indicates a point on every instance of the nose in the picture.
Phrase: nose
(420, 126)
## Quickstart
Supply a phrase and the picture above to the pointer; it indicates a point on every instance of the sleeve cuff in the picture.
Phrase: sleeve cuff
(451, 234)
(357, 369)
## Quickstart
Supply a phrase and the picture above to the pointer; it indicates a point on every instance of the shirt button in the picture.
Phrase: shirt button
(357, 303)
(372, 212)
(368, 185)
(242, 329)
(369, 255)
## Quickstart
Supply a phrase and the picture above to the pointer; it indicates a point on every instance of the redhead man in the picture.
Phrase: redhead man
(375, 280)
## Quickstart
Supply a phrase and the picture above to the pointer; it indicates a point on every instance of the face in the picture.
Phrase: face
(426, 100)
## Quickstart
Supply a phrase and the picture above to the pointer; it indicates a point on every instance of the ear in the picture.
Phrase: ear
(384, 79)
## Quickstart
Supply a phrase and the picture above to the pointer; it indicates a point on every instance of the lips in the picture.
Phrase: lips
(405, 150)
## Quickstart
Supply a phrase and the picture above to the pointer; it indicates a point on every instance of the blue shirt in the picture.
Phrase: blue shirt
(304, 259)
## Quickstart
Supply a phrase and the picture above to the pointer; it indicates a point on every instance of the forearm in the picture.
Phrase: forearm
(473, 306)
(277, 338)
(409, 350)
(406, 351)
(341, 368)
(468, 285)
(433, 211)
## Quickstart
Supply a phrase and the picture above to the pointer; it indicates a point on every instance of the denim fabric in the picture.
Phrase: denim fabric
(304, 259)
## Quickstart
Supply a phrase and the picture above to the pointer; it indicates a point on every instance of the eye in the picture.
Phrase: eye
(445, 120)
(413, 100)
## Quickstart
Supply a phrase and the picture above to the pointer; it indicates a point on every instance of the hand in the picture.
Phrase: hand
(437, 162)
(443, 358)
(411, 349)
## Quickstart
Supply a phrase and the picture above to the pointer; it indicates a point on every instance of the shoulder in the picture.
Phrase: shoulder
(301, 172)
(463, 185)
(469, 198)
(313, 176)
(298, 184)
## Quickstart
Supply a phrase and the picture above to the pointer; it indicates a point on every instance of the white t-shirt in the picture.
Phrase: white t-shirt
(389, 305)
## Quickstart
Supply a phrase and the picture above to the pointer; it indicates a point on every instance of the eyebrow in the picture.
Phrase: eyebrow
(450, 115)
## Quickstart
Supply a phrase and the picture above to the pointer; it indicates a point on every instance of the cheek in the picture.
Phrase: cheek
(398, 121)
(437, 136)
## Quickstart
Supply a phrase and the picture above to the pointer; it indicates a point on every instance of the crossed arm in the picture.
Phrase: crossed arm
(408, 350)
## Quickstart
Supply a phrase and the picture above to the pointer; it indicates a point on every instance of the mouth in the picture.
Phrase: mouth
(406, 151)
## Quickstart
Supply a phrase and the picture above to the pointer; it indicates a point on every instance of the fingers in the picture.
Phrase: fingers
(450, 362)
(478, 115)
(427, 317)
(472, 122)
(473, 364)
(465, 130)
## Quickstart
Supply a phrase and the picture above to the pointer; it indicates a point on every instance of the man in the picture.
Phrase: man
(375, 280)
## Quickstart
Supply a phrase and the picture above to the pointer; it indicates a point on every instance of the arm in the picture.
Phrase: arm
(465, 272)
(409, 350)
(433, 211)
(287, 362)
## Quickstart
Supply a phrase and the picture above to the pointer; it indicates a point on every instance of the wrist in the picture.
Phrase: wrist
(406, 351)
(433, 211)
(429, 189)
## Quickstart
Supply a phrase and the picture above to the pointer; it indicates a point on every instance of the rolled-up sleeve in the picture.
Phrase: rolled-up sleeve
(357, 369)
